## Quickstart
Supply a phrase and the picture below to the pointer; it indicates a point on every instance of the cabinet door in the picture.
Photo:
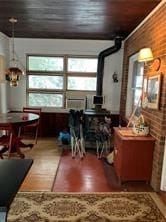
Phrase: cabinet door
(133, 157)
(137, 159)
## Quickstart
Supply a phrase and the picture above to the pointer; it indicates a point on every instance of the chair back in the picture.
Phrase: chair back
(32, 110)
(35, 125)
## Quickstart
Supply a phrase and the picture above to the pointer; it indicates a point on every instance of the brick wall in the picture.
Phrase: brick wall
(151, 34)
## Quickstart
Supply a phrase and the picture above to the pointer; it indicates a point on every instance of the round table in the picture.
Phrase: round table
(18, 118)
(12, 121)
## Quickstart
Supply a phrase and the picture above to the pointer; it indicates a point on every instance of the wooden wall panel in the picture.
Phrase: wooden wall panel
(53, 123)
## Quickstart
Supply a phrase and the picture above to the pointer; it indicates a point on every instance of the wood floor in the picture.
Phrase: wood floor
(46, 155)
(89, 174)
(80, 175)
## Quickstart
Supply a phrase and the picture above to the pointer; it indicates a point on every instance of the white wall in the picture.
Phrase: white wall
(75, 47)
(111, 89)
(4, 45)
(4, 58)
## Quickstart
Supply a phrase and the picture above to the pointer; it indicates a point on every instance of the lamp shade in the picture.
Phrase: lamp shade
(145, 55)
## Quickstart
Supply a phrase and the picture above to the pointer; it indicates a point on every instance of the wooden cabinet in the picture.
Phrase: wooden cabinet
(133, 156)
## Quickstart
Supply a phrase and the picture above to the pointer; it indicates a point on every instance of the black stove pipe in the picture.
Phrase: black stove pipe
(100, 67)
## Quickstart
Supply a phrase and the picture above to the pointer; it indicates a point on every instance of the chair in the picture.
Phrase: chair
(8, 142)
(35, 126)
(103, 135)
(76, 132)
(102, 145)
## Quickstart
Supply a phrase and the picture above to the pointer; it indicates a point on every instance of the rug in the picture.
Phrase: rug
(86, 207)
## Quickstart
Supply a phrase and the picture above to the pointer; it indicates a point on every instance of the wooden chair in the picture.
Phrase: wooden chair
(9, 143)
(35, 126)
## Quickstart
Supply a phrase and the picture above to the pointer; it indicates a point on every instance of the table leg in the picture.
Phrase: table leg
(21, 144)
(17, 143)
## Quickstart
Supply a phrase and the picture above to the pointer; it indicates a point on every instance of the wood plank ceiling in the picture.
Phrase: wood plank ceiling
(73, 19)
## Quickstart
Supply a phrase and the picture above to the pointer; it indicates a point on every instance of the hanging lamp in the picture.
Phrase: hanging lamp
(13, 72)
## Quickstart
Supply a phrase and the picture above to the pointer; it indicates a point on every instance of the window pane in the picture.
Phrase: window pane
(82, 65)
(140, 68)
(81, 83)
(45, 82)
(138, 81)
(137, 94)
(45, 99)
(41, 63)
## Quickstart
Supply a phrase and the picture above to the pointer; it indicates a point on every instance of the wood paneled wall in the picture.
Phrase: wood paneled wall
(53, 123)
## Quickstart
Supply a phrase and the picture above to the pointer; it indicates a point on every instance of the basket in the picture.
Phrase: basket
(141, 130)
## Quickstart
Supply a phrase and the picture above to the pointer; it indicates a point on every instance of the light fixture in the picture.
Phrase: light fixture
(115, 77)
(13, 72)
(145, 54)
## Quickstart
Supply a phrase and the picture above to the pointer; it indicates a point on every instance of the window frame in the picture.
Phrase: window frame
(76, 73)
(42, 71)
(65, 74)
(130, 90)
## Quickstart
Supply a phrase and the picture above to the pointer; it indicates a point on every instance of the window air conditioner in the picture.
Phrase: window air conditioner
(75, 103)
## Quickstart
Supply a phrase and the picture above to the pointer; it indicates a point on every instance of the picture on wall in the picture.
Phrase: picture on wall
(153, 91)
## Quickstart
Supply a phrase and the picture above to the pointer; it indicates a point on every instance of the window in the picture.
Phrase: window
(135, 84)
(42, 63)
(45, 82)
(45, 99)
(83, 65)
(81, 83)
(81, 73)
(50, 77)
